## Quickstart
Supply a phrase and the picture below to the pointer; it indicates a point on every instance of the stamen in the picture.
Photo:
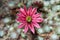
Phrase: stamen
(28, 19)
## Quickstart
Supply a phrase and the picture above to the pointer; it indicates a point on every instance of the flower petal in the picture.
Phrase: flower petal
(26, 28)
(37, 20)
(29, 10)
(36, 25)
(22, 11)
(25, 8)
(34, 11)
(19, 20)
(21, 25)
(36, 15)
(32, 28)
(20, 14)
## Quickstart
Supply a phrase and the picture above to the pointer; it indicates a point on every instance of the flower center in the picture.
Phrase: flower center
(28, 19)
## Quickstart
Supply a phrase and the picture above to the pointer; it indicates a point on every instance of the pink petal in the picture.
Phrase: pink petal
(22, 11)
(29, 10)
(36, 25)
(26, 29)
(19, 20)
(32, 28)
(22, 18)
(36, 15)
(21, 25)
(34, 11)
(37, 20)
(39, 14)
(20, 14)
(25, 8)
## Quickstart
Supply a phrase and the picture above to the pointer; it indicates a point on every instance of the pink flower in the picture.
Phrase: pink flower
(29, 19)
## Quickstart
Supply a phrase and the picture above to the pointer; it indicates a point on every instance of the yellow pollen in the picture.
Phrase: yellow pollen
(28, 19)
